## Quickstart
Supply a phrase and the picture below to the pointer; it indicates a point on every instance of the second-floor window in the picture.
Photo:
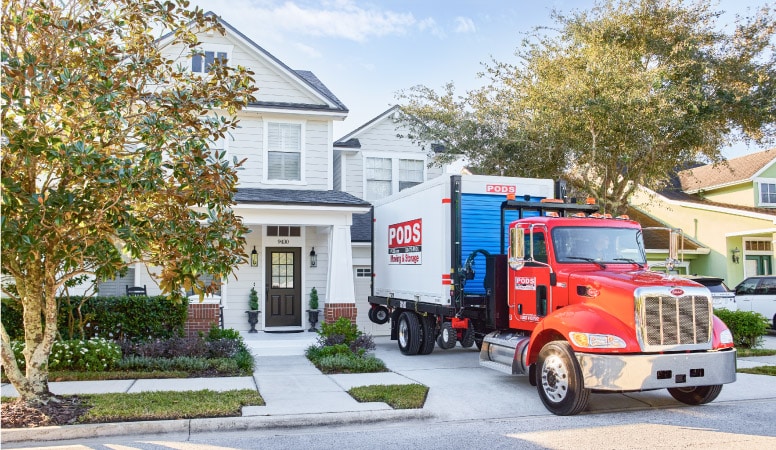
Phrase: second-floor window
(200, 63)
(384, 176)
(284, 151)
(410, 173)
(379, 178)
(768, 194)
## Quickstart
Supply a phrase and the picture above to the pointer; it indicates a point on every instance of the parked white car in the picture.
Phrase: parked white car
(758, 294)
(721, 296)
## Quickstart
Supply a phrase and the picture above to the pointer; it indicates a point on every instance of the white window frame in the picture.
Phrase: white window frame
(302, 152)
(760, 185)
(394, 168)
(215, 48)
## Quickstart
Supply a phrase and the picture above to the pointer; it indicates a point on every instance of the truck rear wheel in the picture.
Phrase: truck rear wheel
(696, 395)
(428, 324)
(559, 380)
(409, 333)
(447, 336)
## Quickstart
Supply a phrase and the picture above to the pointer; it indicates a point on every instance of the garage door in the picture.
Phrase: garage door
(362, 275)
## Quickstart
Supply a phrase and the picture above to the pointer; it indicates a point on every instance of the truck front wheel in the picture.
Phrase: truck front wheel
(559, 380)
(697, 395)
(409, 333)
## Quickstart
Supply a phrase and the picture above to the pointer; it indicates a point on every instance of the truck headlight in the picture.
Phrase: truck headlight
(726, 337)
(590, 340)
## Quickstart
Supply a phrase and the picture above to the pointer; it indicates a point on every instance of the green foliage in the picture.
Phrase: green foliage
(759, 370)
(747, 327)
(11, 316)
(611, 98)
(398, 396)
(313, 299)
(253, 300)
(107, 156)
(349, 363)
(341, 327)
(93, 355)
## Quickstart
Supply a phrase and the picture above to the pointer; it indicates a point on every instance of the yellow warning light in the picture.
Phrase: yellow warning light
(511, 196)
(552, 214)
(590, 201)
(624, 217)
(579, 214)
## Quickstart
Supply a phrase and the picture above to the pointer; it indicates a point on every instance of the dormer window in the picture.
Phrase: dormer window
(201, 63)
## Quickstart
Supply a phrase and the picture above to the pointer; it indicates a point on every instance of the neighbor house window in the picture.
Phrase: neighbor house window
(363, 272)
(410, 173)
(284, 151)
(378, 178)
(201, 62)
(767, 193)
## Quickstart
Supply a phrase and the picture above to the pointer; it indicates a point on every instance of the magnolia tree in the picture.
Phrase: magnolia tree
(612, 98)
(106, 158)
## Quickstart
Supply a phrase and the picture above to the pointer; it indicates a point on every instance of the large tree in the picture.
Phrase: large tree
(106, 157)
(612, 98)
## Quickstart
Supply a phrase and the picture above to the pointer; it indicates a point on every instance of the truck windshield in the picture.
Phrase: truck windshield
(598, 244)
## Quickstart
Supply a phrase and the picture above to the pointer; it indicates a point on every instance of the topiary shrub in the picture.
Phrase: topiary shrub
(747, 327)
(93, 355)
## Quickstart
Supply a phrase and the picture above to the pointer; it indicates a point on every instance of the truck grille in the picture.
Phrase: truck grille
(674, 323)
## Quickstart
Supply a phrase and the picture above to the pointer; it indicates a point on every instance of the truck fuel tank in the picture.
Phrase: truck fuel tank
(505, 351)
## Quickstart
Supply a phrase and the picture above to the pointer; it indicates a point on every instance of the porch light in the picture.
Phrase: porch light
(734, 255)
(313, 258)
(254, 257)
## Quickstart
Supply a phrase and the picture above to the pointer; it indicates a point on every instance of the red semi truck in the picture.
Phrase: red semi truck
(547, 289)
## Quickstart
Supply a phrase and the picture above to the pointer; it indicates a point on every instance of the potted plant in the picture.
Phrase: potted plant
(253, 309)
(312, 313)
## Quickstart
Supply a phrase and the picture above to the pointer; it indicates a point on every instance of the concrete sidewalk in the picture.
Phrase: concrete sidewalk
(297, 394)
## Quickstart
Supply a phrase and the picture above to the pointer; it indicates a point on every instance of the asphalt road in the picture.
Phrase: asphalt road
(719, 425)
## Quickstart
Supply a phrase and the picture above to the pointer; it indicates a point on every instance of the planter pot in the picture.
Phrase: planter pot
(253, 319)
(312, 316)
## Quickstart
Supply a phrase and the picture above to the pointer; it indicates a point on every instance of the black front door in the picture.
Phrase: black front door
(284, 288)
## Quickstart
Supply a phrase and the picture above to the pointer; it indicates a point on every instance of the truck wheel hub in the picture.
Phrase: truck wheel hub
(555, 381)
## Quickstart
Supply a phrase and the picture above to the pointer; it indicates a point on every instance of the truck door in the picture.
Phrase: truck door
(530, 297)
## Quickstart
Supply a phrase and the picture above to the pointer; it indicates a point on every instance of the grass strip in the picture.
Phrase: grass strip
(760, 370)
(69, 375)
(398, 396)
(166, 405)
(744, 352)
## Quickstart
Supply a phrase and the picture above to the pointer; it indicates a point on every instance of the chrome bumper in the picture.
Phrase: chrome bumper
(656, 371)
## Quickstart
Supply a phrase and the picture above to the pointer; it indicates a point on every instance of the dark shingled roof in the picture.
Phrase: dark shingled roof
(736, 170)
(659, 239)
(350, 143)
(361, 230)
(297, 196)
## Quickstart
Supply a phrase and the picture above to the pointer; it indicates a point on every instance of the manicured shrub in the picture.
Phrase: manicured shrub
(93, 355)
(747, 327)
(350, 363)
(342, 348)
(177, 346)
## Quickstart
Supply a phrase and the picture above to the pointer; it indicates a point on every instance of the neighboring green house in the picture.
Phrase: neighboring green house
(728, 208)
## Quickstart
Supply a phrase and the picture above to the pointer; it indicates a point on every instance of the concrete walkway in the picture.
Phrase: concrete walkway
(297, 394)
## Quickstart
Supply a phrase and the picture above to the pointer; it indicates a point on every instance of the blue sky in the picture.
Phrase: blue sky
(366, 51)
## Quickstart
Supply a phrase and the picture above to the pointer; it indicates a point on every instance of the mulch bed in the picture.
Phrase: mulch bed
(59, 411)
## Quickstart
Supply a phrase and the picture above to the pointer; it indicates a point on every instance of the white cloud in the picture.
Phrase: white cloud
(431, 25)
(341, 19)
(464, 25)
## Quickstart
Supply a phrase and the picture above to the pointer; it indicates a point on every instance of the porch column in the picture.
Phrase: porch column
(340, 296)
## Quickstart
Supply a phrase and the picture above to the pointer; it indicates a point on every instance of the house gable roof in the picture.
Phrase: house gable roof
(350, 140)
(737, 170)
(304, 79)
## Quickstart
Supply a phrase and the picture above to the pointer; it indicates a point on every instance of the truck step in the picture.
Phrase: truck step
(503, 368)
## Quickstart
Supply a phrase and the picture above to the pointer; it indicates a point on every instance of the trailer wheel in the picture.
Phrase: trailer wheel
(447, 336)
(467, 337)
(428, 323)
(409, 333)
(559, 380)
(696, 395)
(379, 315)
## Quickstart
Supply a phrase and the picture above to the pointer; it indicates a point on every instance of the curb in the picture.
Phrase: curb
(187, 426)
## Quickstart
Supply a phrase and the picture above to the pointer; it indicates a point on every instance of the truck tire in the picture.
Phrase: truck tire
(379, 315)
(559, 380)
(467, 337)
(428, 325)
(696, 395)
(447, 336)
(409, 333)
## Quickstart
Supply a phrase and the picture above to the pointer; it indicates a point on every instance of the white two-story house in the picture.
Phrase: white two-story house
(300, 225)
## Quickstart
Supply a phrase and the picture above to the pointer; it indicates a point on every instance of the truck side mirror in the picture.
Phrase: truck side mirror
(516, 255)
